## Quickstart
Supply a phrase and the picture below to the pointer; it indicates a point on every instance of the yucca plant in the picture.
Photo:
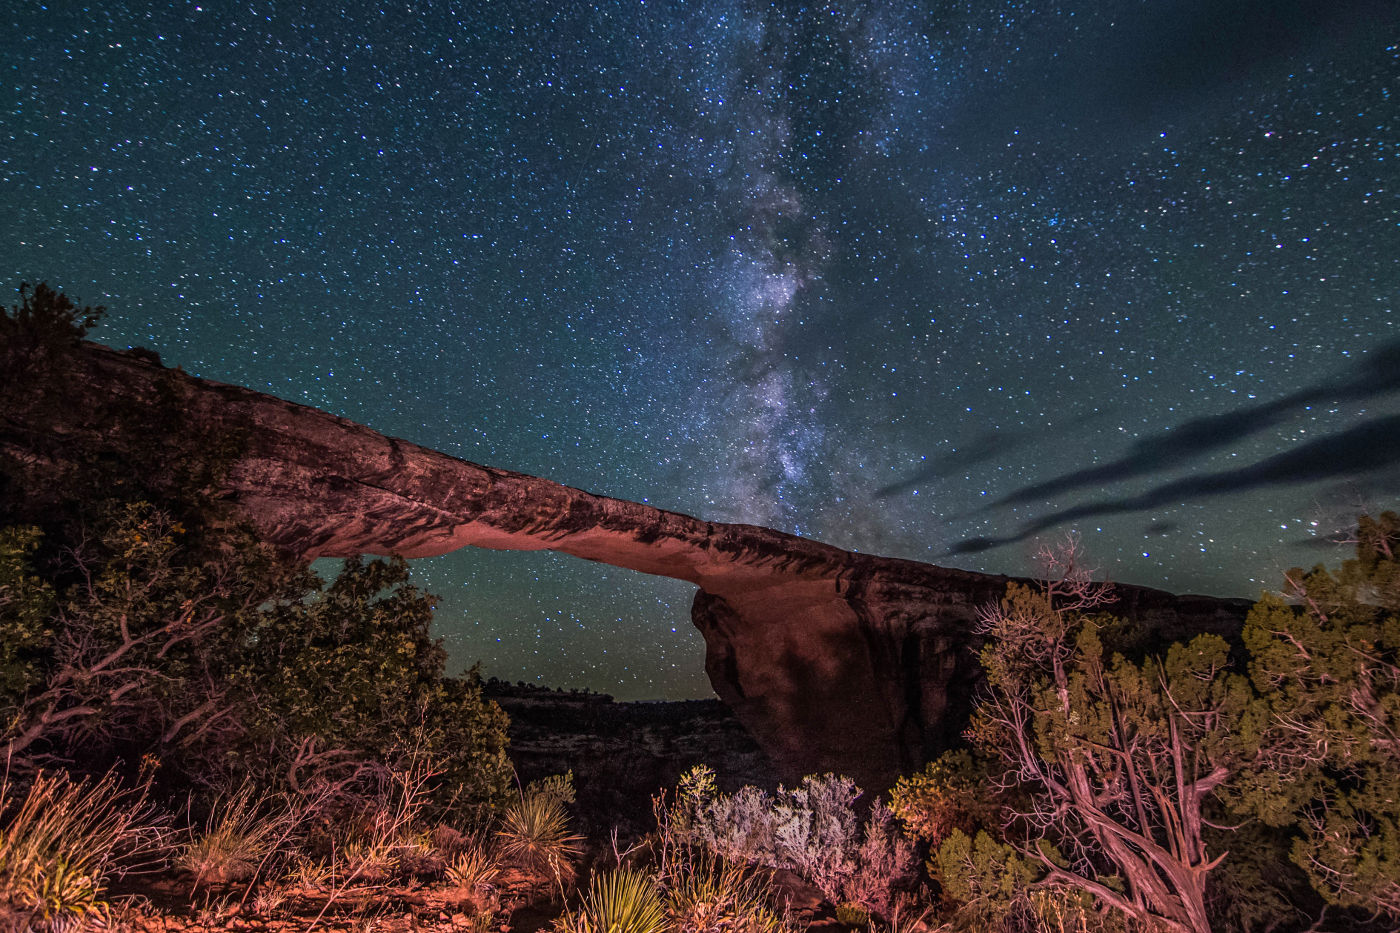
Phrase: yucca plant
(473, 872)
(63, 841)
(621, 901)
(242, 833)
(535, 831)
(473, 868)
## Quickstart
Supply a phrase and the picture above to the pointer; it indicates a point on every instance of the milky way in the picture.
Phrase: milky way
(938, 280)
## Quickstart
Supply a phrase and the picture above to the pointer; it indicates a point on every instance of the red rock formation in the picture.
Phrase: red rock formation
(833, 660)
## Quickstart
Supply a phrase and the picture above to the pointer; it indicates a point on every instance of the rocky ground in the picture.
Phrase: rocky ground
(513, 903)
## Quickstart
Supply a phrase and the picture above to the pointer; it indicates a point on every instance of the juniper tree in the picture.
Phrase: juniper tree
(1326, 660)
(1106, 768)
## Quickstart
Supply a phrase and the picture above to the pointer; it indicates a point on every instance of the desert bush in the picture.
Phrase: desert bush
(884, 866)
(954, 791)
(812, 829)
(705, 892)
(1101, 792)
(986, 878)
(816, 831)
(64, 840)
(739, 826)
(850, 914)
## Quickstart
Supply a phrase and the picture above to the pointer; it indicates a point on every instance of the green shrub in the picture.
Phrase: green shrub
(1325, 657)
(138, 615)
(852, 915)
(352, 672)
(951, 792)
(26, 610)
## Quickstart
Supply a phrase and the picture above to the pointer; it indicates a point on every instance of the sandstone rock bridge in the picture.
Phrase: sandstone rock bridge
(833, 660)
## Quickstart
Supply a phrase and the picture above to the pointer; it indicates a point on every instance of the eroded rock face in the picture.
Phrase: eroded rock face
(832, 660)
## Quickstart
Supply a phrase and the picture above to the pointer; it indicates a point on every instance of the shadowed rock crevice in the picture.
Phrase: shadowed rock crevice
(832, 660)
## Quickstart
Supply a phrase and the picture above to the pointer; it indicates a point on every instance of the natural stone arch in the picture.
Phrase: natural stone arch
(833, 660)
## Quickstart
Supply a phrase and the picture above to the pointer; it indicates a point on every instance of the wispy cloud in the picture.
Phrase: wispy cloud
(1378, 374)
(1370, 446)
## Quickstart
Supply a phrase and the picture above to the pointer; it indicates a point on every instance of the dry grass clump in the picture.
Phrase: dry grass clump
(707, 895)
(244, 831)
(473, 868)
(63, 841)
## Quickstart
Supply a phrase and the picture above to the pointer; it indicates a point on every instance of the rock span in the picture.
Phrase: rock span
(833, 660)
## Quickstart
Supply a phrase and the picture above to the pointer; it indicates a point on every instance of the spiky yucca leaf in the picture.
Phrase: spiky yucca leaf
(620, 901)
(535, 833)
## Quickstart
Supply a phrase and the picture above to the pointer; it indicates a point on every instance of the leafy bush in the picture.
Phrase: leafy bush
(1109, 781)
(235, 666)
(350, 674)
(139, 615)
(982, 873)
(952, 792)
(26, 607)
(1326, 660)
(884, 865)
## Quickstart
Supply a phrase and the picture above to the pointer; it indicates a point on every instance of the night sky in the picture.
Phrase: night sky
(933, 280)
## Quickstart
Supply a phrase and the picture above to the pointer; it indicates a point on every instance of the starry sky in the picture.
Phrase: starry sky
(938, 280)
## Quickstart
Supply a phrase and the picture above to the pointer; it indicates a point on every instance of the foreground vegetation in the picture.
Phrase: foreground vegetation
(198, 731)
